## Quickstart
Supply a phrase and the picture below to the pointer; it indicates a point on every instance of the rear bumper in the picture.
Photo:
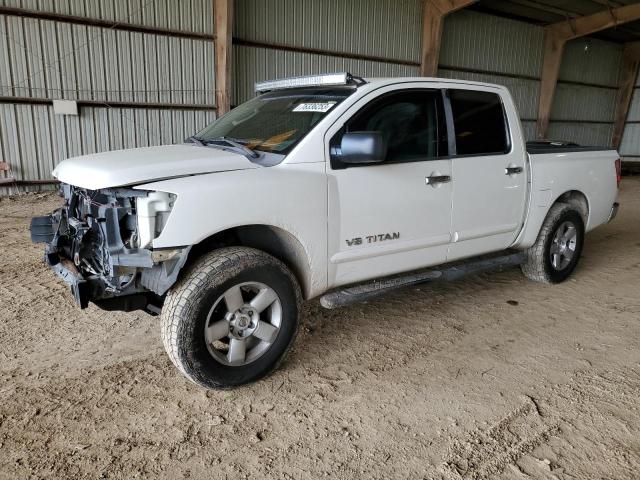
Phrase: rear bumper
(614, 211)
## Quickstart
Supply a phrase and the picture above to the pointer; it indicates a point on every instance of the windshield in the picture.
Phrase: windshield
(276, 121)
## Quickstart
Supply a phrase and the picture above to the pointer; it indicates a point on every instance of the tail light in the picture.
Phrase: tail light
(618, 172)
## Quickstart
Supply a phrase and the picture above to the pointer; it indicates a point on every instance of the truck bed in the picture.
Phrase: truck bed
(543, 147)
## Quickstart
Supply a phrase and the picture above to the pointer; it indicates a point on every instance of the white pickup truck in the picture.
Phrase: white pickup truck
(316, 185)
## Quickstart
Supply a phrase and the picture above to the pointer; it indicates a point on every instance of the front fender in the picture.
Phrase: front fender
(291, 197)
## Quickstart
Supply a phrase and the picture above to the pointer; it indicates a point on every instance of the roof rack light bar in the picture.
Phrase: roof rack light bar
(305, 81)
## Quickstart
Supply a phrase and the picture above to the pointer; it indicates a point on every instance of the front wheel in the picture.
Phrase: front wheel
(231, 318)
(557, 250)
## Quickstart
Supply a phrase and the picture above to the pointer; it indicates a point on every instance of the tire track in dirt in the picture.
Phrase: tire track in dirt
(538, 442)
(486, 453)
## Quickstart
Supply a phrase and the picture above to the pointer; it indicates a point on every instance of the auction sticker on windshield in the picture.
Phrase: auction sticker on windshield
(321, 107)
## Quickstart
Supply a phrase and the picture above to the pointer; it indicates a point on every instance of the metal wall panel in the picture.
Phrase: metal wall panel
(384, 28)
(590, 60)
(34, 140)
(631, 141)
(253, 64)
(529, 130)
(630, 144)
(186, 15)
(484, 42)
(46, 59)
(596, 134)
(586, 60)
(578, 102)
(634, 108)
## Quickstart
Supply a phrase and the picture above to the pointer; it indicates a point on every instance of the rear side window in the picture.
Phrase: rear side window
(480, 123)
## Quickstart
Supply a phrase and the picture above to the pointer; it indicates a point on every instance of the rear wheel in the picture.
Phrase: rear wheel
(232, 318)
(557, 250)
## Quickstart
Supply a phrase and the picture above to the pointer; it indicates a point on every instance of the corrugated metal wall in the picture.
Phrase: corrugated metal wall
(39, 140)
(186, 15)
(386, 29)
(368, 27)
(630, 147)
(584, 113)
(47, 59)
(167, 82)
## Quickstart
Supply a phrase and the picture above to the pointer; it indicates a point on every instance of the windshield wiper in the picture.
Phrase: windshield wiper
(196, 140)
(234, 143)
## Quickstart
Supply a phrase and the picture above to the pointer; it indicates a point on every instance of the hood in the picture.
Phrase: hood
(142, 165)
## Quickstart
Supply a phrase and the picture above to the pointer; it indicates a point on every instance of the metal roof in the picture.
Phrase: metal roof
(545, 12)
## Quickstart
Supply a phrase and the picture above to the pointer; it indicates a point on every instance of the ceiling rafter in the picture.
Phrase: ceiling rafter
(557, 35)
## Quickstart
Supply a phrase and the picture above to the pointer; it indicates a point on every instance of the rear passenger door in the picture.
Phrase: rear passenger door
(488, 172)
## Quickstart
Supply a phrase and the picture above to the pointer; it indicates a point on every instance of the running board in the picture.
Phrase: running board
(367, 291)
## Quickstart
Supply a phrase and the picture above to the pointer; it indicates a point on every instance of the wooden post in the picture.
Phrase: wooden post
(557, 35)
(554, 46)
(431, 36)
(433, 15)
(223, 12)
(628, 77)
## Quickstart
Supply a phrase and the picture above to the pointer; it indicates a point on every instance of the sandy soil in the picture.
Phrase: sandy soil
(490, 377)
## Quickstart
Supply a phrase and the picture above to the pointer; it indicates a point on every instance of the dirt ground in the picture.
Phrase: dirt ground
(490, 377)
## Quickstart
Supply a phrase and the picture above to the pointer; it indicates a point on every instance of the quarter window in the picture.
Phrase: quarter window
(479, 122)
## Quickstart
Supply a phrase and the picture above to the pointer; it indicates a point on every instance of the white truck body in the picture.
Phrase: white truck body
(323, 185)
(353, 224)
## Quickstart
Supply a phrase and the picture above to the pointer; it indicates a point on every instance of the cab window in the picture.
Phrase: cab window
(479, 122)
(411, 121)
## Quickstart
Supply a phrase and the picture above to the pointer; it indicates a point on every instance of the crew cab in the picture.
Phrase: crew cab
(318, 184)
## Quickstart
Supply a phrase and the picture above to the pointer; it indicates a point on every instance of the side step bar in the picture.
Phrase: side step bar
(367, 291)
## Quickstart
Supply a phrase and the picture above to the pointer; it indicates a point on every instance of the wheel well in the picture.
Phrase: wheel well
(577, 200)
(272, 240)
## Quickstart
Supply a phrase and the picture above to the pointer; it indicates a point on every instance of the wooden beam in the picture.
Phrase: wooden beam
(610, 17)
(433, 14)
(554, 46)
(628, 77)
(557, 35)
(223, 12)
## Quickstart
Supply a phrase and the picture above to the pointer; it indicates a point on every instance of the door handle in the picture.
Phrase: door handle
(436, 179)
(512, 170)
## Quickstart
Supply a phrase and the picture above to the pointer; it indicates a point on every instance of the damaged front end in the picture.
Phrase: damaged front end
(100, 243)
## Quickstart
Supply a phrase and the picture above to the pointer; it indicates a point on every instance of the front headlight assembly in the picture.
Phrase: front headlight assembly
(153, 212)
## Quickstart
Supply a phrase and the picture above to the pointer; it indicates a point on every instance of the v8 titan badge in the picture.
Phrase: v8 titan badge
(381, 237)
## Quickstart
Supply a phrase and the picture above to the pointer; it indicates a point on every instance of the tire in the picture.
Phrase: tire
(539, 264)
(207, 296)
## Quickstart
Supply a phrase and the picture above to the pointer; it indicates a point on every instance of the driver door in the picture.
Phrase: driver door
(389, 217)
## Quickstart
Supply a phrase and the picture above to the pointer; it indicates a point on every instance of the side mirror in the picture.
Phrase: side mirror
(363, 147)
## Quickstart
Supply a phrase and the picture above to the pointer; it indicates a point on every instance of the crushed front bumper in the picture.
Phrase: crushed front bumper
(80, 289)
(90, 245)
